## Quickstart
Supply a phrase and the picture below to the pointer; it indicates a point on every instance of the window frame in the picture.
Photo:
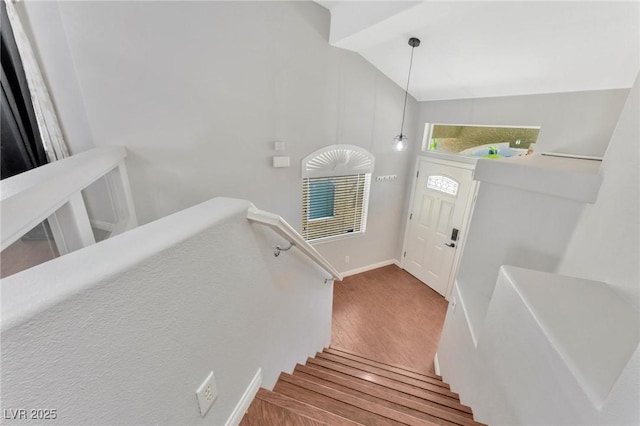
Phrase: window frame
(334, 163)
(428, 131)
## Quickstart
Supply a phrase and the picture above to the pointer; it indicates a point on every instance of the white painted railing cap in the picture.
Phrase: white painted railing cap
(30, 197)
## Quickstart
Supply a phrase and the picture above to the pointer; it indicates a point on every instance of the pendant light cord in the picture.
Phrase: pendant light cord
(406, 91)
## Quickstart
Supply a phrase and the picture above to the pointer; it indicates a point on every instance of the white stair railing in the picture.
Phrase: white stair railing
(286, 231)
(53, 192)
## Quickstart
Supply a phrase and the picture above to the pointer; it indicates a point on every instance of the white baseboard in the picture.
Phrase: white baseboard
(244, 403)
(370, 267)
(436, 365)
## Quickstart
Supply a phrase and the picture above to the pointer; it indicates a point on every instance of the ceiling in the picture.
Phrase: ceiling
(494, 48)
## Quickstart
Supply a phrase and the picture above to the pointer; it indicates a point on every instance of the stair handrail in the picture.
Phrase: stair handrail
(286, 231)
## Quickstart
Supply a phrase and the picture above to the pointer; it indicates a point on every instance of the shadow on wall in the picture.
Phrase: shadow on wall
(524, 256)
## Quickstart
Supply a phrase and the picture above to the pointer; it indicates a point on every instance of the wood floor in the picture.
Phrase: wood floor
(390, 316)
(23, 255)
(379, 368)
(27, 252)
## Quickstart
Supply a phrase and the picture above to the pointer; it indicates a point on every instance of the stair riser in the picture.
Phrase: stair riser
(407, 389)
(262, 413)
(434, 390)
(341, 389)
(389, 375)
(381, 393)
(285, 403)
(383, 400)
(429, 378)
(331, 405)
(354, 401)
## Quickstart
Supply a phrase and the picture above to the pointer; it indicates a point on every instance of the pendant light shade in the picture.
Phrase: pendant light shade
(400, 142)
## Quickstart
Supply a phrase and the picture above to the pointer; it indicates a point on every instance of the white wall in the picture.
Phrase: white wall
(129, 337)
(515, 227)
(198, 91)
(601, 244)
(605, 244)
(512, 227)
(574, 123)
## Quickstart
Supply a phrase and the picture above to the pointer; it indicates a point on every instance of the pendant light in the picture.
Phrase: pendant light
(400, 142)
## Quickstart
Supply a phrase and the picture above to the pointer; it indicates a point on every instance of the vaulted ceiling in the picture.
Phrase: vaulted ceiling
(494, 48)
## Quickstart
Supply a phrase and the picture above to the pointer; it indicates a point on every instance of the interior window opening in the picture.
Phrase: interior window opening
(480, 141)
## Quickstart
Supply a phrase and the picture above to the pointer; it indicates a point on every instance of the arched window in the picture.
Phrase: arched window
(335, 191)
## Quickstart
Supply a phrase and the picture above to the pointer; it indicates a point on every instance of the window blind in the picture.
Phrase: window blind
(334, 205)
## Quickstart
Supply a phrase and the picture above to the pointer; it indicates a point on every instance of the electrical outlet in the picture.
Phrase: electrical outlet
(207, 394)
(346, 259)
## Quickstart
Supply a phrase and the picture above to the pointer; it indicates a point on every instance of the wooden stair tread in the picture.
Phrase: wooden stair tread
(302, 409)
(344, 389)
(388, 373)
(382, 412)
(374, 400)
(433, 412)
(331, 405)
(262, 413)
(395, 368)
(405, 391)
(392, 384)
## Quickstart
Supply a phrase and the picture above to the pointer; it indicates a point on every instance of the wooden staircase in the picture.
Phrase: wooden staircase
(340, 388)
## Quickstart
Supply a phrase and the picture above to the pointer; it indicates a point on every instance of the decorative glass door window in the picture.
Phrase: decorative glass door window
(443, 184)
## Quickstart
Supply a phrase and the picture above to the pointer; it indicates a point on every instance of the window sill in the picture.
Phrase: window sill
(320, 218)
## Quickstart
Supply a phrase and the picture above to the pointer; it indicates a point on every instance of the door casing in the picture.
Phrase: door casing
(468, 210)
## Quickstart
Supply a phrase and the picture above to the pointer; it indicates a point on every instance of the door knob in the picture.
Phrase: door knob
(450, 244)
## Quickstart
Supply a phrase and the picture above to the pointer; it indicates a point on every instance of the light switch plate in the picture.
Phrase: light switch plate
(207, 393)
(281, 161)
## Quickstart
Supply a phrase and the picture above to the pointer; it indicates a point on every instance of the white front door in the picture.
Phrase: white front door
(439, 206)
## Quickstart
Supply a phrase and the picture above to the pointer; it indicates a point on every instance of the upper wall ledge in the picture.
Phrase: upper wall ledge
(593, 330)
(572, 178)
